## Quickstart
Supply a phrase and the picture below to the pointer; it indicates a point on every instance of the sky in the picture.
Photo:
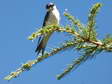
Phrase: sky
(19, 18)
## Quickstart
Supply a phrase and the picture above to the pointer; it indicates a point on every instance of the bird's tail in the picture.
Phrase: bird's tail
(40, 47)
(42, 44)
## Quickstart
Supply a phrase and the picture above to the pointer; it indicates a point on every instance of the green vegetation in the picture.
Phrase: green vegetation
(84, 40)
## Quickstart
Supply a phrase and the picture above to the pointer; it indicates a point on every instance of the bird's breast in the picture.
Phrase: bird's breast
(54, 18)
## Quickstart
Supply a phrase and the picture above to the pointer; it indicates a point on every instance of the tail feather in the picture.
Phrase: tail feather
(42, 44)
(40, 47)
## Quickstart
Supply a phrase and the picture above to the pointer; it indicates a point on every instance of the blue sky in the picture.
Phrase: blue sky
(19, 18)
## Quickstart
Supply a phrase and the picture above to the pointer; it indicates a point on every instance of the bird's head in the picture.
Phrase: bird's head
(50, 6)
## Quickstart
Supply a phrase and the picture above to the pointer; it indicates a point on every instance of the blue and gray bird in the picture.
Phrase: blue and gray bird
(52, 17)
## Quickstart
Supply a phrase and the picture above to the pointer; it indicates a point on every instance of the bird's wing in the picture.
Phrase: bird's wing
(46, 18)
(41, 38)
(44, 24)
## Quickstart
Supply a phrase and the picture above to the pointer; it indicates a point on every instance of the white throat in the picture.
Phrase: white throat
(56, 13)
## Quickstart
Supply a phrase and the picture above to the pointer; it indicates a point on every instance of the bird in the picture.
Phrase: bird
(52, 17)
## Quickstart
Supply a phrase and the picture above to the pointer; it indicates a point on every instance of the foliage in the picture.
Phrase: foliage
(84, 40)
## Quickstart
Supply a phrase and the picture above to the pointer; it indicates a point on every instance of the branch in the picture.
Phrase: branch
(28, 65)
(88, 54)
(55, 28)
(91, 20)
(74, 20)
(75, 64)
(84, 40)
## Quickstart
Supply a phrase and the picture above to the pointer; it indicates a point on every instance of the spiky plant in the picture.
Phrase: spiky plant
(84, 40)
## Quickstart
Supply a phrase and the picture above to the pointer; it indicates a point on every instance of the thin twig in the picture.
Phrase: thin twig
(28, 65)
